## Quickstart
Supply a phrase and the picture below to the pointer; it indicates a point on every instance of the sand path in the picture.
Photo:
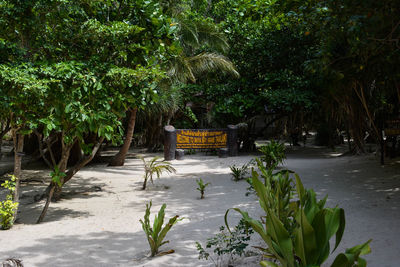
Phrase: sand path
(97, 224)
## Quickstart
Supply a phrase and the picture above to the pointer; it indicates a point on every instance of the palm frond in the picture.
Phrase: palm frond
(154, 166)
(208, 62)
(180, 70)
(194, 34)
(186, 69)
(208, 33)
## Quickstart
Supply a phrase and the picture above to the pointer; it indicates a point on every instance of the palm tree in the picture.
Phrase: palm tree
(156, 115)
(194, 35)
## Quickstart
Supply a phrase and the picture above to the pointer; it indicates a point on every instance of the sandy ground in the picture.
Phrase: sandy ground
(97, 222)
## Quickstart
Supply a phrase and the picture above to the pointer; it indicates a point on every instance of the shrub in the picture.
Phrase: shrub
(8, 206)
(273, 154)
(297, 233)
(226, 244)
(156, 234)
(270, 178)
(240, 173)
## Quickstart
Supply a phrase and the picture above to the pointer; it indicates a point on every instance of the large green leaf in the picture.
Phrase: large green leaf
(305, 241)
(281, 237)
(352, 256)
(342, 224)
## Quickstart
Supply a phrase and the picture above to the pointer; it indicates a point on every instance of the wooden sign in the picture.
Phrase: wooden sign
(392, 127)
(201, 138)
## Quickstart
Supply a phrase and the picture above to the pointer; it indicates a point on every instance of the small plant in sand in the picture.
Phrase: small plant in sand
(157, 167)
(11, 262)
(156, 234)
(202, 187)
(240, 173)
(224, 248)
(8, 206)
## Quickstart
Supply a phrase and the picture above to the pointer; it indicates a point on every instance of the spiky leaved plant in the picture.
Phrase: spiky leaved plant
(156, 234)
(154, 166)
(273, 154)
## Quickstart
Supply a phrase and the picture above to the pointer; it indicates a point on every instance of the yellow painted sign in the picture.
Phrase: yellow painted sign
(393, 127)
(201, 138)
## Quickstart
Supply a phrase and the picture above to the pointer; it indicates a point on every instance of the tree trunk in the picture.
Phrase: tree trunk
(4, 129)
(18, 140)
(53, 187)
(119, 159)
(46, 206)
(83, 162)
(54, 190)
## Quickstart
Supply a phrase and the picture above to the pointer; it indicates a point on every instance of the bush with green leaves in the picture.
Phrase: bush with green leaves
(8, 206)
(273, 154)
(202, 187)
(156, 234)
(225, 247)
(298, 232)
(155, 166)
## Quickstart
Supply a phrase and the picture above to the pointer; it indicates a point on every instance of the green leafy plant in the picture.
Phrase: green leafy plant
(232, 244)
(156, 234)
(202, 187)
(239, 173)
(279, 180)
(8, 207)
(273, 154)
(154, 166)
(297, 233)
(57, 176)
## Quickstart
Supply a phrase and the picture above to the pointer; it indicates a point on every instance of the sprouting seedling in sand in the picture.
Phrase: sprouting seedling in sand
(202, 187)
(155, 166)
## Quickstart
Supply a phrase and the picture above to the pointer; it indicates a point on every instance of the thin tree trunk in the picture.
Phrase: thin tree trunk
(18, 140)
(119, 159)
(4, 129)
(83, 162)
(46, 206)
(52, 189)
(364, 103)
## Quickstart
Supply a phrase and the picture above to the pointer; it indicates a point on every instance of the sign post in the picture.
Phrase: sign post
(391, 130)
(169, 142)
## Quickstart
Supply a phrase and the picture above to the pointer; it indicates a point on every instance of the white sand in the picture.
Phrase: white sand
(101, 228)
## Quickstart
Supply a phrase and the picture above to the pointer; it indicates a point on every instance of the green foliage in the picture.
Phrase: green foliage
(71, 69)
(232, 244)
(240, 173)
(157, 167)
(8, 207)
(57, 176)
(273, 154)
(353, 54)
(156, 234)
(202, 187)
(298, 233)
